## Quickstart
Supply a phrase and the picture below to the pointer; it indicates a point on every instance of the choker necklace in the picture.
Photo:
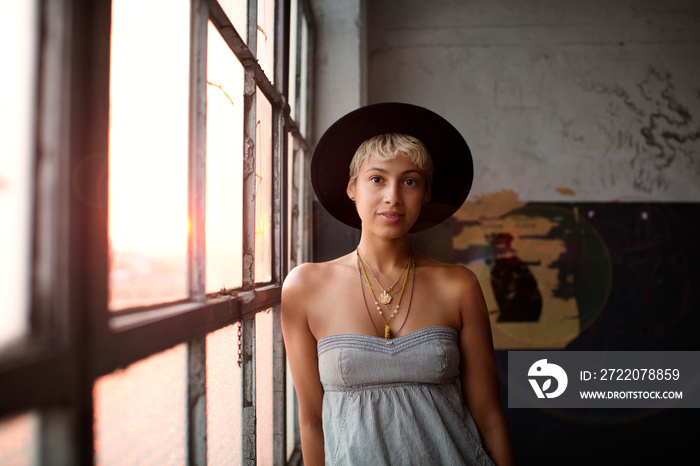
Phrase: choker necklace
(387, 330)
(385, 297)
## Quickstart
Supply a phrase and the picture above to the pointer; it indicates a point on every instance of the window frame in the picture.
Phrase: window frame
(77, 339)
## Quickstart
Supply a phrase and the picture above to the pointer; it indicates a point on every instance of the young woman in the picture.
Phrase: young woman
(391, 352)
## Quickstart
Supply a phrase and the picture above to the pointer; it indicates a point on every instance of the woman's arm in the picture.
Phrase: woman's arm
(300, 345)
(478, 375)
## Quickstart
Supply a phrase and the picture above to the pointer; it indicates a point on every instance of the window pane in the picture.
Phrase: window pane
(149, 79)
(237, 13)
(224, 235)
(298, 63)
(263, 189)
(303, 76)
(140, 412)
(266, 37)
(17, 55)
(263, 386)
(18, 440)
(224, 404)
(295, 207)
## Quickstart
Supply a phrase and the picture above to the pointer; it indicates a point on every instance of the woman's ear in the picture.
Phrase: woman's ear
(427, 195)
(351, 189)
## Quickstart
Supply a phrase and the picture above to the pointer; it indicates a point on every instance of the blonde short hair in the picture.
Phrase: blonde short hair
(388, 146)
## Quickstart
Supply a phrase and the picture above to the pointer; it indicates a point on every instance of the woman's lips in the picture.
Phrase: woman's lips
(391, 217)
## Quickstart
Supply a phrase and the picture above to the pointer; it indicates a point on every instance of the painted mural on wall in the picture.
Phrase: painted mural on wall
(616, 276)
(529, 260)
(546, 271)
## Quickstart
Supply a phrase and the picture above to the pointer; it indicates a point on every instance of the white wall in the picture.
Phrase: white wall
(554, 98)
(340, 60)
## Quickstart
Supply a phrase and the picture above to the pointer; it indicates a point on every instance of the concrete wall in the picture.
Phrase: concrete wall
(582, 116)
(340, 86)
(573, 100)
(340, 61)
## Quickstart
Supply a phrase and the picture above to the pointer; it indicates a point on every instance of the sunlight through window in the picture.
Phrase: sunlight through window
(263, 190)
(223, 397)
(266, 37)
(224, 235)
(148, 143)
(18, 28)
(140, 412)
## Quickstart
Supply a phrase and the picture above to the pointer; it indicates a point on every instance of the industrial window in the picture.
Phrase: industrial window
(154, 195)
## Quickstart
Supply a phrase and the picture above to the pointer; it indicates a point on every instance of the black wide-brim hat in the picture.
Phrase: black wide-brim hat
(452, 159)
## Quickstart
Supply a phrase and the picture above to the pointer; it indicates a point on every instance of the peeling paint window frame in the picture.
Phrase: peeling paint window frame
(83, 340)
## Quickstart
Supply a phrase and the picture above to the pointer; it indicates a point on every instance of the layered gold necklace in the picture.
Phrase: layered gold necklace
(410, 265)
(385, 297)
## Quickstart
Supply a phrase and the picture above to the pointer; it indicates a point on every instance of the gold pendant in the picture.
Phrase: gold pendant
(384, 298)
(387, 332)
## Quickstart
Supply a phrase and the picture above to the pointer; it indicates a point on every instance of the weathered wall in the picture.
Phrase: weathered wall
(568, 107)
(340, 61)
(583, 120)
(340, 78)
(560, 101)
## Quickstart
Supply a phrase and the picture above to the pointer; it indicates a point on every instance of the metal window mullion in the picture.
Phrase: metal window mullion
(278, 173)
(307, 199)
(299, 199)
(248, 414)
(297, 67)
(307, 194)
(280, 149)
(279, 140)
(64, 434)
(85, 260)
(248, 417)
(279, 392)
(281, 54)
(197, 174)
(278, 262)
(197, 402)
(196, 348)
(293, 209)
(249, 153)
(310, 84)
(252, 30)
(278, 254)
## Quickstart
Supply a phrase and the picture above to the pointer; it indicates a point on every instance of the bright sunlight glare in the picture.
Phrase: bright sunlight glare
(18, 32)
(148, 141)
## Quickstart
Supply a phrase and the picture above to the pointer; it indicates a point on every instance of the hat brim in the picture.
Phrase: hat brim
(452, 159)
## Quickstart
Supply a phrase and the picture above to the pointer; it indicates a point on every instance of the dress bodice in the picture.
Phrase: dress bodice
(396, 404)
(428, 356)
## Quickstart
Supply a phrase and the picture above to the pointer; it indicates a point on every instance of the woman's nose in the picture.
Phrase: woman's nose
(392, 195)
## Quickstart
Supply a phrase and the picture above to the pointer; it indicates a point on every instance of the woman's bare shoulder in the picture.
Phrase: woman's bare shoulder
(451, 274)
(309, 275)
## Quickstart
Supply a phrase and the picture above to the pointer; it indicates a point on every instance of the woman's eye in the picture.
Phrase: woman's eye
(375, 179)
(411, 182)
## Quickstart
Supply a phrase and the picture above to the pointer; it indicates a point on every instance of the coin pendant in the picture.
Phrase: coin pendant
(385, 298)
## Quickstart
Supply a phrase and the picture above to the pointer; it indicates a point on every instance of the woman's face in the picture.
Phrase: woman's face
(389, 195)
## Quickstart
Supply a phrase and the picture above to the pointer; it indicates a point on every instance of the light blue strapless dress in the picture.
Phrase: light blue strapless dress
(397, 404)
